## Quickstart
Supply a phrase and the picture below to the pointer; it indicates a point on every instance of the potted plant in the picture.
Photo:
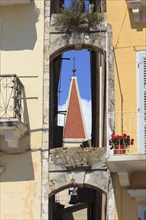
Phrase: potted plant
(75, 18)
(120, 142)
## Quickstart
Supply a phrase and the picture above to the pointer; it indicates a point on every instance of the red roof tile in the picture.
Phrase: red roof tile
(74, 126)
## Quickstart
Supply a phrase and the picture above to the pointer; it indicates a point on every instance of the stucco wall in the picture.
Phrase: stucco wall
(20, 187)
(135, 177)
(22, 52)
(128, 38)
(21, 44)
(126, 206)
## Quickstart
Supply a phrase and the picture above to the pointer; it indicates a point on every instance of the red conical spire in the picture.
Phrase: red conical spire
(74, 126)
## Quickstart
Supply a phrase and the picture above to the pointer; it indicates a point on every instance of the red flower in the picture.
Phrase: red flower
(132, 141)
(120, 139)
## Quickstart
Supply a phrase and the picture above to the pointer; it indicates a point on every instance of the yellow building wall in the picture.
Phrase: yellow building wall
(21, 53)
(135, 177)
(126, 206)
(128, 38)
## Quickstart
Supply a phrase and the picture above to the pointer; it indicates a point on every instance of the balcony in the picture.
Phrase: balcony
(14, 134)
(134, 159)
(14, 2)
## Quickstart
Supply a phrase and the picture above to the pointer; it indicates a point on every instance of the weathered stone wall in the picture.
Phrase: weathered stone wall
(45, 138)
(94, 39)
(111, 205)
(80, 166)
(110, 79)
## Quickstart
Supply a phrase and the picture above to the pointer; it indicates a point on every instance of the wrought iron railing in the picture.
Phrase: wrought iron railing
(11, 92)
(132, 124)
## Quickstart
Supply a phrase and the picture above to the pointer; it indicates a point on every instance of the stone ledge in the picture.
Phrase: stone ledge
(77, 158)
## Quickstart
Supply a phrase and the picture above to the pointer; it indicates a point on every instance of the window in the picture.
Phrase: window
(57, 6)
(142, 212)
(141, 100)
(96, 76)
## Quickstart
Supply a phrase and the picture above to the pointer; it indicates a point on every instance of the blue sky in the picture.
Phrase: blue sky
(67, 3)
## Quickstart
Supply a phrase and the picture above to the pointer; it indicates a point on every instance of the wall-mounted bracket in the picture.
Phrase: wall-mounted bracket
(2, 169)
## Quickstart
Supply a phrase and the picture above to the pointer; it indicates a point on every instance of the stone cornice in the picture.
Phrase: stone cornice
(138, 194)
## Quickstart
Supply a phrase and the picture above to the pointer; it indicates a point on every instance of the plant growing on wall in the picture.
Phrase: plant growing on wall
(75, 18)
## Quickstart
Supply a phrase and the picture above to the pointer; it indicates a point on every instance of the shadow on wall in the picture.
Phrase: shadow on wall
(139, 26)
(25, 111)
(18, 167)
(18, 27)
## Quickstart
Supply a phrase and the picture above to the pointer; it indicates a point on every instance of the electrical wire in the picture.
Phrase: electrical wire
(121, 27)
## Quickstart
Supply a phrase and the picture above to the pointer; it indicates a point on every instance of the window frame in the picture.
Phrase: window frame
(141, 104)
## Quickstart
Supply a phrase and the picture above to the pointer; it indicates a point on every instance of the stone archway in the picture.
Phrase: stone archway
(87, 201)
(61, 42)
(95, 174)
(66, 172)
(61, 176)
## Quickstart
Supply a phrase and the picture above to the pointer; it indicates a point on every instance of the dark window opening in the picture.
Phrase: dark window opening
(57, 6)
(96, 83)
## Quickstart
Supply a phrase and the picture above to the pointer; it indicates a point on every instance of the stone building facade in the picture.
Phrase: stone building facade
(35, 165)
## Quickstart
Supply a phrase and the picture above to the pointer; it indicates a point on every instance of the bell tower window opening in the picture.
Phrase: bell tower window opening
(58, 6)
(96, 99)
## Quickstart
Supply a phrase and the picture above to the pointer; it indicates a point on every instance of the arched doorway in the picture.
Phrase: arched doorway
(74, 202)
(97, 77)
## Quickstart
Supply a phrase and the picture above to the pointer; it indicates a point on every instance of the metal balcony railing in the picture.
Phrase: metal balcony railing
(132, 124)
(11, 90)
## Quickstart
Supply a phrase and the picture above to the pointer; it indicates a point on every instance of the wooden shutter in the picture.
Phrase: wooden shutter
(142, 212)
(141, 100)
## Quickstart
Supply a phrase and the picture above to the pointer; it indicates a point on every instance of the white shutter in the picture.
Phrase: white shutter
(144, 69)
(142, 212)
(141, 100)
